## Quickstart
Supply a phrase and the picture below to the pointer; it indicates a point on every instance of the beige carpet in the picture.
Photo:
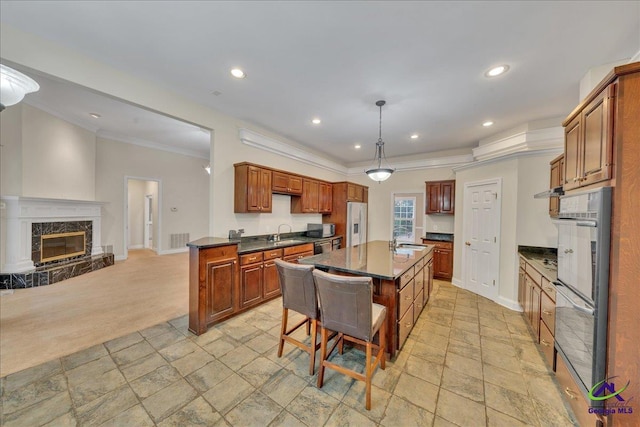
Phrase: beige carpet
(45, 323)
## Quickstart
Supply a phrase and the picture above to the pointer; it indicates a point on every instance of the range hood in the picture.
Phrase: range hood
(554, 192)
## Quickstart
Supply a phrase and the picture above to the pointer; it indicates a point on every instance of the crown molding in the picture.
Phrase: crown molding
(436, 162)
(57, 114)
(478, 163)
(533, 140)
(256, 140)
(635, 58)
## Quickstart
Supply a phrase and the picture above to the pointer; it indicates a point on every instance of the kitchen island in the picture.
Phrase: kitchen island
(402, 280)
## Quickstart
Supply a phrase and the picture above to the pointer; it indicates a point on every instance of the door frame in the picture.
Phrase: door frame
(125, 228)
(148, 204)
(498, 229)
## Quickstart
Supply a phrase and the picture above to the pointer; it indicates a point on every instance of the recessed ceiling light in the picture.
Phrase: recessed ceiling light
(316, 121)
(238, 73)
(357, 146)
(95, 115)
(487, 123)
(414, 136)
(496, 71)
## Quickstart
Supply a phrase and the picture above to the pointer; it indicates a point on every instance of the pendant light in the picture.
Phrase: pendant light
(377, 171)
(14, 86)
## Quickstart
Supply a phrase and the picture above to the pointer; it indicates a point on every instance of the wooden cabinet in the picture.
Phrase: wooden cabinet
(316, 198)
(589, 141)
(556, 180)
(213, 281)
(522, 286)
(252, 189)
(440, 197)
(294, 253)
(340, 198)
(573, 395)
(325, 198)
(412, 296)
(259, 277)
(355, 192)
(285, 183)
(442, 258)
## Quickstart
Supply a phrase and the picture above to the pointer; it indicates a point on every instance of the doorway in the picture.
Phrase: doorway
(407, 217)
(481, 236)
(142, 214)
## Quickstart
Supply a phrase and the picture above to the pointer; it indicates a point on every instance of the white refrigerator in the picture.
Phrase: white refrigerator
(356, 223)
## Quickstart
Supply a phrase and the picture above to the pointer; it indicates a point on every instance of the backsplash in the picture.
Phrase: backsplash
(439, 223)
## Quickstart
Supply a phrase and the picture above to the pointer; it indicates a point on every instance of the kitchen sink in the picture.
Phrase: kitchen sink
(288, 242)
(411, 246)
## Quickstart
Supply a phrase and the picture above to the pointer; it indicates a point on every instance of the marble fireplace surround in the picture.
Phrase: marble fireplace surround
(20, 213)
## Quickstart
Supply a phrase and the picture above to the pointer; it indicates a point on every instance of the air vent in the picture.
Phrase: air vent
(179, 240)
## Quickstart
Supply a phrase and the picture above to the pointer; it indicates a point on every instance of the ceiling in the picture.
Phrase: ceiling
(334, 60)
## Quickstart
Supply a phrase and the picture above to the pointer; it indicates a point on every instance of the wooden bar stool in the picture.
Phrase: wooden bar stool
(347, 307)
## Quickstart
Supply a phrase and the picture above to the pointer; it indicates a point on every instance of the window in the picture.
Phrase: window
(404, 219)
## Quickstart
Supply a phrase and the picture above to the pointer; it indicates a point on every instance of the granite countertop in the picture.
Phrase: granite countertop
(440, 237)
(373, 259)
(536, 256)
(251, 244)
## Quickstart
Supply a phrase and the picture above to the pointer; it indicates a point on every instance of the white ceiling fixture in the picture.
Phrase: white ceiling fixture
(487, 123)
(379, 171)
(95, 115)
(414, 136)
(14, 86)
(316, 121)
(357, 146)
(238, 73)
(496, 71)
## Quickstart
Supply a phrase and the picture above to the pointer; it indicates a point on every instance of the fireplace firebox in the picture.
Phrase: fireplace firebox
(62, 245)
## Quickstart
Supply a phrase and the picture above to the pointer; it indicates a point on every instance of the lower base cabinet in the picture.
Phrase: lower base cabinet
(572, 393)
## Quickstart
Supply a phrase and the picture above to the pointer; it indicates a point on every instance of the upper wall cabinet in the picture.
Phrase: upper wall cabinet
(284, 183)
(252, 189)
(441, 197)
(589, 140)
(356, 193)
(556, 180)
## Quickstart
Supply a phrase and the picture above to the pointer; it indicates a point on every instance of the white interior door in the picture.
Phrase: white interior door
(481, 237)
(148, 221)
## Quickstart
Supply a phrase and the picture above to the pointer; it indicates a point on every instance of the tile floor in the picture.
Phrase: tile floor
(468, 362)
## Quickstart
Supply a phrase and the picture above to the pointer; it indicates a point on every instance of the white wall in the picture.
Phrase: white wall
(58, 158)
(381, 197)
(11, 151)
(524, 220)
(184, 186)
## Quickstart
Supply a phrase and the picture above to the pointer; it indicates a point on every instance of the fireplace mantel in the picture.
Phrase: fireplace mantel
(19, 213)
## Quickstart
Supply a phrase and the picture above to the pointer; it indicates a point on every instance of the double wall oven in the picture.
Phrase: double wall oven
(584, 226)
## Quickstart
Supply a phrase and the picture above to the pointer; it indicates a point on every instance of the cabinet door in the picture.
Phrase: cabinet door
(220, 279)
(286, 184)
(433, 198)
(445, 264)
(325, 198)
(265, 190)
(521, 287)
(528, 297)
(447, 192)
(428, 280)
(535, 312)
(254, 191)
(355, 192)
(310, 196)
(554, 181)
(250, 284)
(295, 184)
(572, 148)
(598, 138)
(271, 282)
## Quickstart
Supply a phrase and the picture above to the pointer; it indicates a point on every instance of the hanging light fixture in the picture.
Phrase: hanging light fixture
(14, 86)
(377, 171)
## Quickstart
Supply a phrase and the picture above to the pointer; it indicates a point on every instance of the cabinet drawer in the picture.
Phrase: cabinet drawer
(418, 284)
(548, 312)
(251, 258)
(549, 288)
(418, 265)
(406, 298)
(571, 393)
(438, 244)
(534, 274)
(405, 324)
(546, 344)
(212, 254)
(298, 249)
(272, 254)
(418, 305)
(406, 277)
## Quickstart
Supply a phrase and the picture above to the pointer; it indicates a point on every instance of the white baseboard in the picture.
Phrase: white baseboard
(457, 282)
(119, 257)
(508, 303)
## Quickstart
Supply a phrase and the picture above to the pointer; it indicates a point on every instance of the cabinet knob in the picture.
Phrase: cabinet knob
(569, 393)
(467, 243)
(544, 343)
(547, 312)
(568, 251)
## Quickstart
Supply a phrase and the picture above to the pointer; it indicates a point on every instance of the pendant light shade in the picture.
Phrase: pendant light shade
(380, 169)
(14, 86)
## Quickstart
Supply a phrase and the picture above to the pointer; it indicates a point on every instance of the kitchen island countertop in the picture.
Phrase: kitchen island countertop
(373, 259)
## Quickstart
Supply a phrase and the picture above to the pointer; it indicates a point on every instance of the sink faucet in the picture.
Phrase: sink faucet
(278, 235)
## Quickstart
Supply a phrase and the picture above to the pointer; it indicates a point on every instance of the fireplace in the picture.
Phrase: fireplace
(54, 247)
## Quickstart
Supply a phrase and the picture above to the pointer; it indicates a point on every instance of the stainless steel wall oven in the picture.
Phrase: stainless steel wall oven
(584, 227)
